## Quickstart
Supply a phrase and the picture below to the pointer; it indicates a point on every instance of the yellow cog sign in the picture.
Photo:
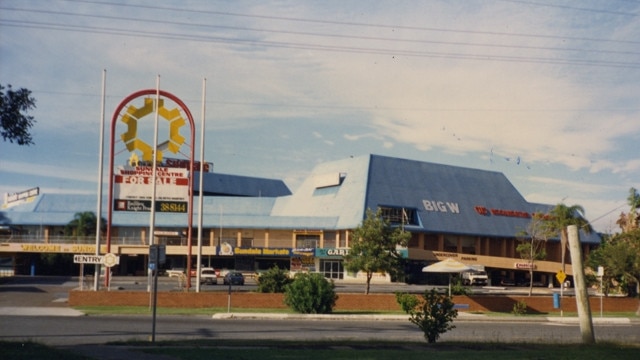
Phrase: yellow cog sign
(133, 142)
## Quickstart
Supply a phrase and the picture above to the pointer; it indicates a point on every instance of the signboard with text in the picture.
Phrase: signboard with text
(133, 189)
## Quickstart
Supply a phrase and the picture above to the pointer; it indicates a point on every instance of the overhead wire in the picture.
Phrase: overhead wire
(319, 47)
(322, 35)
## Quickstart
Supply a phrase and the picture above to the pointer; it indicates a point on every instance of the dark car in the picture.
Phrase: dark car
(233, 278)
(507, 282)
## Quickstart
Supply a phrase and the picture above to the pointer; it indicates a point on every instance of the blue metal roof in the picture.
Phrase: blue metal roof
(450, 199)
(446, 199)
(235, 185)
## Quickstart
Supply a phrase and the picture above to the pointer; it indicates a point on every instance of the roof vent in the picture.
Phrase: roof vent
(329, 180)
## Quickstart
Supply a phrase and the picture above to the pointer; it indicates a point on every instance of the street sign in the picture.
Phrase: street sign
(88, 259)
(158, 254)
(109, 260)
(561, 276)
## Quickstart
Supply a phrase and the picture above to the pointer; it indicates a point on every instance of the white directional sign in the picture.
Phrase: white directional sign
(108, 260)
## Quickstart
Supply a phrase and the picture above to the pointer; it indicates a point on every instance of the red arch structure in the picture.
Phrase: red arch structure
(114, 119)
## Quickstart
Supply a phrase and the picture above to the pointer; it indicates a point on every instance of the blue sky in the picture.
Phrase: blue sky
(546, 92)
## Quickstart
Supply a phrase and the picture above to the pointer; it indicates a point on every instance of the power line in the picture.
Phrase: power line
(325, 35)
(572, 8)
(357, 24)
(306, 46)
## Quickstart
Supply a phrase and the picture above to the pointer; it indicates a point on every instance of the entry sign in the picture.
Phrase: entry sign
(108, 260)
(87, 259)
(561, 276)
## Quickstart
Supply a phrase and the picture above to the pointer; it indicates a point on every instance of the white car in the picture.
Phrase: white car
(175, 272)
(208, 276)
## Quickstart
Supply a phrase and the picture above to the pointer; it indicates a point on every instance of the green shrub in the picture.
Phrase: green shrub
(435, 315)
(310, 294)
(519, 308)
(407, 301)
(458, 288)
(273, 280)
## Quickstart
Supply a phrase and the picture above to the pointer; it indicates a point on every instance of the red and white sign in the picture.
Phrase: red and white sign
(135, 183)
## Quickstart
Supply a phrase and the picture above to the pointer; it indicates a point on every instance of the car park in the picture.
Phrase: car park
(233, 278)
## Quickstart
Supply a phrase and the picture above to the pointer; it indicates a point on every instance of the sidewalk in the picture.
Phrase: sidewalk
(462, 316)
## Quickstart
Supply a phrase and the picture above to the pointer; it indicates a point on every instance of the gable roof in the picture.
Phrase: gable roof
(451, 199)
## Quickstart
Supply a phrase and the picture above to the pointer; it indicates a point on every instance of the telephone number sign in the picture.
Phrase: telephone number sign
(145, 206)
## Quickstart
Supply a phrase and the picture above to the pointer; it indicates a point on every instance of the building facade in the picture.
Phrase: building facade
(251, 224)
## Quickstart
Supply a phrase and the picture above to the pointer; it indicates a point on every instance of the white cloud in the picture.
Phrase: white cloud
(451, 81)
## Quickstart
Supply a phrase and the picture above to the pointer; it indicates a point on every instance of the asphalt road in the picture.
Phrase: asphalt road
(43, 297)
(78, 330)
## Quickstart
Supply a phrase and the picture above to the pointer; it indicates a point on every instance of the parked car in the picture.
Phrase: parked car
(175, 272)
(233, 278)
(208, 276)
(507, 282)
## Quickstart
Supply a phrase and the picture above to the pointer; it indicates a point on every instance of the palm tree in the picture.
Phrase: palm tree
(83, 224)
(563, 216)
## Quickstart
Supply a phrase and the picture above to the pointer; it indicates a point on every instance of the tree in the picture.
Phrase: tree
(374, 248)
(14, 123)
(434, 315)
(83, 224)
(533, 243)
(562, 216)
(620, 257)
(273, 280)
(628, 222)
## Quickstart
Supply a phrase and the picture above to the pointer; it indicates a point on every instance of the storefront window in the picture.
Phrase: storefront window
(332, 269)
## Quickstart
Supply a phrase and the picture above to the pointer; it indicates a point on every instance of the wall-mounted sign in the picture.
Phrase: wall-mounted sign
(525, 266)
(481, 210)
(20, 197)
(228, 250)
(332, 252)
(441, 206)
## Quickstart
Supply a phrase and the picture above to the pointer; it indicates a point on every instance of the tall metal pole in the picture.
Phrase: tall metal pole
(96, 276)
(200, 198)
(582, 297)
(152, 217)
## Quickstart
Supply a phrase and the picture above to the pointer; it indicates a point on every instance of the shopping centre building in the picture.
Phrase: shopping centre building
(250, 224)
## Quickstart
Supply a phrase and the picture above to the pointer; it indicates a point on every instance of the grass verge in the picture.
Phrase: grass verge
(322, 350)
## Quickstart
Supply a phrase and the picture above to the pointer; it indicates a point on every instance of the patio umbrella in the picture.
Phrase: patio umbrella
(449, 266)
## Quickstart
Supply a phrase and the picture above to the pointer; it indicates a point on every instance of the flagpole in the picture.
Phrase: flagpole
(152, 219)
(200, 191)
(96, 276)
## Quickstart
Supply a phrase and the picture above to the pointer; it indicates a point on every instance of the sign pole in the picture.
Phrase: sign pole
(153, 265)
(561, 276)
(152, 215)
(201, 186)
(96, 278)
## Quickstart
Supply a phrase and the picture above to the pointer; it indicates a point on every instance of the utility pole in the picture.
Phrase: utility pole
(582, 297)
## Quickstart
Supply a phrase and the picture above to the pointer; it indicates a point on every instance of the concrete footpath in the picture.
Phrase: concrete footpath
(462, 316)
